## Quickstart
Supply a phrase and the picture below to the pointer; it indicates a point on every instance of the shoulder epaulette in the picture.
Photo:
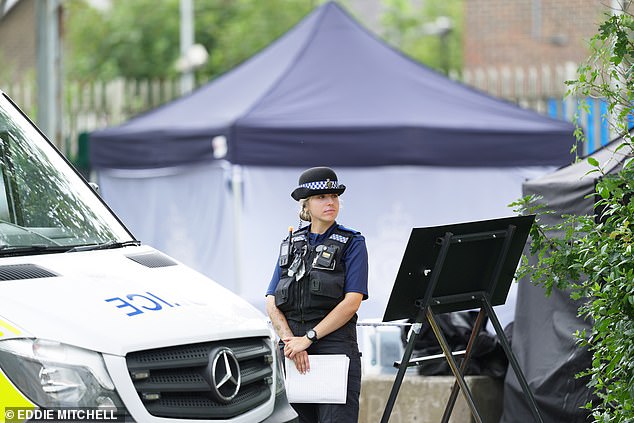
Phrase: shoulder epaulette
(344, 229)
(300, 234)
(299, 237)
(340, 238)
(343, 234)
(301, 230)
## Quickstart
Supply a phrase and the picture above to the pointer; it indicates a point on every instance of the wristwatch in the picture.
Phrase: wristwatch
(311, 335)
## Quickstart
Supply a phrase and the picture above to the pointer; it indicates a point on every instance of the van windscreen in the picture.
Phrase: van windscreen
(44, 203)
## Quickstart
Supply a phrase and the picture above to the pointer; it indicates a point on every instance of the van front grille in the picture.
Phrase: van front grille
(192, 381)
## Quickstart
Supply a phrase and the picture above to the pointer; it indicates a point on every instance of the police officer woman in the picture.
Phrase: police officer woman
(317, 287)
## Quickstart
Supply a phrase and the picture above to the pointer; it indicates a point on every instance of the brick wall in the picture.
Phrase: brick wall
(529, 32)
(18, 40)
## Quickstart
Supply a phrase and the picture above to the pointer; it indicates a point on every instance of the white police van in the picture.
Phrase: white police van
(92, 320)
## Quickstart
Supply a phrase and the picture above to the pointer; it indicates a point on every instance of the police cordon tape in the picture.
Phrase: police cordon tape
(370, 323)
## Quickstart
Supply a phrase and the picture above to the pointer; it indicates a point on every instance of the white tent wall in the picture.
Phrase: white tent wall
(384, 203)
(188, 214)
(182, 211)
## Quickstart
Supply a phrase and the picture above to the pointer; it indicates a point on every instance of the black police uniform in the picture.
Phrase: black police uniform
(312, 285)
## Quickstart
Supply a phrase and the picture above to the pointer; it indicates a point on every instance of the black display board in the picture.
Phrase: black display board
(468, 266)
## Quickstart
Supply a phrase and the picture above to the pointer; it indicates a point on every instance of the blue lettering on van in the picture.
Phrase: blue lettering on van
(140, 303)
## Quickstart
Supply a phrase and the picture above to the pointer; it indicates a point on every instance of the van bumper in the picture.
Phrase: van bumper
(283, 412)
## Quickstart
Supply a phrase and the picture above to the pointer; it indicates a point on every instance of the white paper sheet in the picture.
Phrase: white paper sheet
(325, 383)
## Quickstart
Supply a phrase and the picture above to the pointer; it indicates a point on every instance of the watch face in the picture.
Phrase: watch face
(311, 334)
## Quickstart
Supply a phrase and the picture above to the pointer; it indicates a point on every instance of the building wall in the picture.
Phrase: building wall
(18, 41)
(529, 32)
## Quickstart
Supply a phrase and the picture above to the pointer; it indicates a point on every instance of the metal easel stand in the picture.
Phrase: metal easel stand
(454, 302)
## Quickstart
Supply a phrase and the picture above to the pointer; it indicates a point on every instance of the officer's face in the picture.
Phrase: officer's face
(324, 207)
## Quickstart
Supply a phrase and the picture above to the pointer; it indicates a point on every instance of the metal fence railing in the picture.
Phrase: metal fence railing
(543, 88)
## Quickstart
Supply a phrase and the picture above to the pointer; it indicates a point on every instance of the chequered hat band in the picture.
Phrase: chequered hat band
(327, 184)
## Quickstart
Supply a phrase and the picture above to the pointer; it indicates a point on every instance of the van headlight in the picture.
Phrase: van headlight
(52, 374)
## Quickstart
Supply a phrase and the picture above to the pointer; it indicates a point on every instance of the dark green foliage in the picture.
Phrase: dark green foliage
(592, 255)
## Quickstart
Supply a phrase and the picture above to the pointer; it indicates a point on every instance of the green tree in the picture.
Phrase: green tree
(236, 29)
(140, 39)
(593, 257)
(415, 31)
(132, 39)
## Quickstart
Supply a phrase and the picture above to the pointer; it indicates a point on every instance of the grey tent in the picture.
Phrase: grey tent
(543, 332)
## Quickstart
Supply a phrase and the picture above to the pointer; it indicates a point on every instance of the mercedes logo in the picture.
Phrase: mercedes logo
(225, 375)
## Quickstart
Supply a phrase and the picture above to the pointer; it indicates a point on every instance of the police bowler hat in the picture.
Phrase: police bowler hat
(317, 180)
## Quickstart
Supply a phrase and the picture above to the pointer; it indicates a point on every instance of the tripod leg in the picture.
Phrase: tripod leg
(409, 349)
(516, 367)
(463, 366)
(452, 363)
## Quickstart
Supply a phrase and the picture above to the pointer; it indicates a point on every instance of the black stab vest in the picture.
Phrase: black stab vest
(320, 288)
